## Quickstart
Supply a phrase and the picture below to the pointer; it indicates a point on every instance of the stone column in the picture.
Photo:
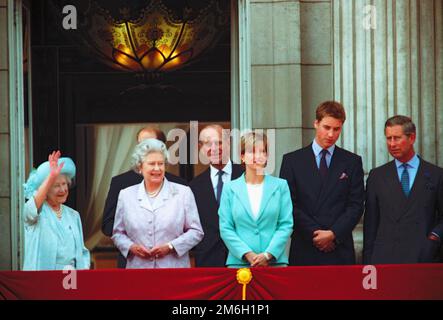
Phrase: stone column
(276, 72)
(12, 147)
(396, 67)
(5, 179)
(388, 59)
(316, 60)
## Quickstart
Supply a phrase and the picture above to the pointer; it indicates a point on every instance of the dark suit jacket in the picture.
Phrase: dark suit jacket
(396, 227)
(211, 251)
(120, 182)
(335, 204)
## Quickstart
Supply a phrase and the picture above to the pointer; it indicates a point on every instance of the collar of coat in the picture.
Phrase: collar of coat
(168, 191)
(270, 186)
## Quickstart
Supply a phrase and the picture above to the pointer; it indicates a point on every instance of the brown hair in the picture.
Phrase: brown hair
(250, 139)
(332, 109)
(405, 122)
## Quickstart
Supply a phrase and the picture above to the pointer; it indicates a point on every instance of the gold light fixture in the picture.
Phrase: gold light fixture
(156, 41)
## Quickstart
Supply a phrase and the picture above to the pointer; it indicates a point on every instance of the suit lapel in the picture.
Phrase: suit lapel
(269, 189)
(313, 165)
(208, 187)
(168, 190)
(313, 173)
(336, 168)
(210, 209)
(143, 197)
(417, 188)
(240, 191)
(394, 186)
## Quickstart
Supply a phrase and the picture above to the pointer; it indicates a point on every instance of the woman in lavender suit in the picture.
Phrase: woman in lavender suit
(156, 221)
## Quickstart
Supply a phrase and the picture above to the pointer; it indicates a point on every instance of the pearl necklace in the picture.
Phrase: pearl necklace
(58, 212)
(155, 192)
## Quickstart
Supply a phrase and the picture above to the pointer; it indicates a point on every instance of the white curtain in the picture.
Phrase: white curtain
(104, 151)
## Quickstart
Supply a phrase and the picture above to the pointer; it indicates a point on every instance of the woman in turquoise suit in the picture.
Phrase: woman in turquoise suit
(256, 211)
(53, 231)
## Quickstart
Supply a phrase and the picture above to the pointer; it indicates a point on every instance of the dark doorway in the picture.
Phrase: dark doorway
(72, 88)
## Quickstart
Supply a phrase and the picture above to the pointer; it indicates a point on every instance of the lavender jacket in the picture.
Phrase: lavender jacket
(171, 217)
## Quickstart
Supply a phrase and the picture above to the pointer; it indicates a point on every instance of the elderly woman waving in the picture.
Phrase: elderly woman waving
(53, 231)
(157, 221)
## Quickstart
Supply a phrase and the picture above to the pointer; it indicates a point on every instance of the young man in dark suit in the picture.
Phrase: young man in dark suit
(327, 191)
(403, 221)
(127, 179)
(215, 149)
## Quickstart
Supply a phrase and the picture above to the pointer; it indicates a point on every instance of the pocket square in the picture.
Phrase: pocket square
(343, 176)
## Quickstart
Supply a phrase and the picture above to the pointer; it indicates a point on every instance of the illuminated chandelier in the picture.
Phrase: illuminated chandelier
(156, 40)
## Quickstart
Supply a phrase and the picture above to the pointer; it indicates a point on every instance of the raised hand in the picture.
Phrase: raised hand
(54, 171)
(54, 167)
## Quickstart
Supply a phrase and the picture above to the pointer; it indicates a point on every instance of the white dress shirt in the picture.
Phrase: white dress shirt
(255, 193)
(317, 152)
(227, 173)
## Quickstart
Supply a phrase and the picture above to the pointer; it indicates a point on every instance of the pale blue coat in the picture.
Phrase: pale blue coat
(42, 239)
(270, 232)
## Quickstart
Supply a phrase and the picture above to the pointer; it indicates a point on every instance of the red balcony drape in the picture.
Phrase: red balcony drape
(328, 282)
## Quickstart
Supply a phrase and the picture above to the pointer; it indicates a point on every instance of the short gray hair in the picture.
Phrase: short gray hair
(146, 147)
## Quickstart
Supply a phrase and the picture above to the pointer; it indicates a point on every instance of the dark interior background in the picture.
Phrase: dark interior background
(71, 86)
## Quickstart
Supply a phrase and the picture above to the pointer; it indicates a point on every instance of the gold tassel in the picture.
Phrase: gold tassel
(244, 276)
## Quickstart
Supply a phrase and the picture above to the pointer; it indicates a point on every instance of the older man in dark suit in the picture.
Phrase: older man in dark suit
(403, 220)
(327, 191)
(127, 179)
(207, 187)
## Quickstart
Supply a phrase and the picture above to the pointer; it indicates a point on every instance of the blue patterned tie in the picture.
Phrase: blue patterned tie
(219, 185)
(405, 179)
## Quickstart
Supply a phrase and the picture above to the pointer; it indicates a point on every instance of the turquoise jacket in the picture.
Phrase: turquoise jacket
(270, 232)
(42, 240)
